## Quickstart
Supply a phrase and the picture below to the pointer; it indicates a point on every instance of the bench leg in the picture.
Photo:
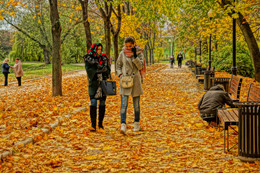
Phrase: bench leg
(224, 140)
(227, 139)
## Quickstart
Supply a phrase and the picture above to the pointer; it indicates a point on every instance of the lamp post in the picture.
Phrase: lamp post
(200, 43)
(234, 68)
(195, 51)
(211, 15)
(208, 73)
(170, 41)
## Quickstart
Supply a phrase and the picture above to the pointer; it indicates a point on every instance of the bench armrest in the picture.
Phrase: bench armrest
(232, 98)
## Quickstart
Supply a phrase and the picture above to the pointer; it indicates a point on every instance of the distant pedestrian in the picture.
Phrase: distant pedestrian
(128, 64)
(98, 69)
(172, 60)
(18, 70)
(213, 99)
(179, 59)
(5, 70)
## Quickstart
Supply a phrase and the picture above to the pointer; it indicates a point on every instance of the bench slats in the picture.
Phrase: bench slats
(253, 93)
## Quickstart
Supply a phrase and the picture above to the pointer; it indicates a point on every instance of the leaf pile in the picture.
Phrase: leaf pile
(173, 136)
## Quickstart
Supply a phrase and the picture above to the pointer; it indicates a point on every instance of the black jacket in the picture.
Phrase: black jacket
(93, 68)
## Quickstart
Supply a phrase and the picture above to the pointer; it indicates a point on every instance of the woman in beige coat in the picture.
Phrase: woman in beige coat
(18, 71)
(129, 62)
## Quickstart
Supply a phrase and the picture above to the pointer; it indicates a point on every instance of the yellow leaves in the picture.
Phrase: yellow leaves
(106, 148)
(55, 108)
(78, 8)
(92, 157)
(235, 16)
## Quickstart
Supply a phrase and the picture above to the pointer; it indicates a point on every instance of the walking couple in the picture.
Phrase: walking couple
(18, 71)
(129, 63)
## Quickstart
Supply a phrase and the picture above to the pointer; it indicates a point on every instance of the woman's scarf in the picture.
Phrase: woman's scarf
(129, 54)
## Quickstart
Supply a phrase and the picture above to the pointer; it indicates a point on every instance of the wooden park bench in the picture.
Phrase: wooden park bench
(233, 87)
(230, 116)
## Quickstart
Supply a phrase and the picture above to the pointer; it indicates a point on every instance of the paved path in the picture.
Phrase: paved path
(173, 136)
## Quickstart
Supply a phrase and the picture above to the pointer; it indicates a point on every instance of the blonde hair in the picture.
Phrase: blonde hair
(6, 60)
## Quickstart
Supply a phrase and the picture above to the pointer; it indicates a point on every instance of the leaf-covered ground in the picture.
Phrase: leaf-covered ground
(173, 136)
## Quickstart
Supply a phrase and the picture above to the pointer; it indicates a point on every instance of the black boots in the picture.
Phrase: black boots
(93, 117)
(102, 110)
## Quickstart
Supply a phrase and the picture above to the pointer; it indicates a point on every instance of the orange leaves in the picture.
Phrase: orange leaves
(173, 137)
(55, 163)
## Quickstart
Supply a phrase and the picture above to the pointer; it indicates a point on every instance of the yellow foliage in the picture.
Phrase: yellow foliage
(129, 28)
(78, 8)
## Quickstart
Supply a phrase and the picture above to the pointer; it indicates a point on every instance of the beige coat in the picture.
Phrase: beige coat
(125, 66)
(18, 71)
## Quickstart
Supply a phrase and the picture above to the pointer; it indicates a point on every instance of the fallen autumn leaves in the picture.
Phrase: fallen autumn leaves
(173, 137)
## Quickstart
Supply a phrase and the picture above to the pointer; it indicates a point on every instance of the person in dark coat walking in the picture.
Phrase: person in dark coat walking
(172, 60)
(5, 70)
(98, 69)
(179, 59)
(212, 100)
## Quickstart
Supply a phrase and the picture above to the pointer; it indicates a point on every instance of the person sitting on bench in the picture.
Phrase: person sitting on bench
(212, 100)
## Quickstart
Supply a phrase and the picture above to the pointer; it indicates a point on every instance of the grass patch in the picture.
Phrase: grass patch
(34, 70)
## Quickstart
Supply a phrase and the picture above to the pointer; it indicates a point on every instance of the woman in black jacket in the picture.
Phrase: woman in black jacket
(98, 69)
(5, 70)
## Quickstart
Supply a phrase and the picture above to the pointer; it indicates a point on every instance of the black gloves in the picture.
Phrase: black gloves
(134, 51)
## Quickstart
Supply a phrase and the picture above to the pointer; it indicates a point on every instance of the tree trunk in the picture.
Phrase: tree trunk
(84, 5)
(56, 42)
(251, 43)
(107, 36)
(146, 54)
(106, 15)
(46, 54)
(116, 47)
(116, 33)
(150, 57)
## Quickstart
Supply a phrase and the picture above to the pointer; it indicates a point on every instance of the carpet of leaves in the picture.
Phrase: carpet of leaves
(173, 138)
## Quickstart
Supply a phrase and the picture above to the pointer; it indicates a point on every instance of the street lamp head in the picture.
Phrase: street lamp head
(211, 14)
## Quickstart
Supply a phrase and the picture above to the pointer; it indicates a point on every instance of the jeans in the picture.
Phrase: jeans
(19, 79)
(6, 78)
(124, 104)
(102, 102)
